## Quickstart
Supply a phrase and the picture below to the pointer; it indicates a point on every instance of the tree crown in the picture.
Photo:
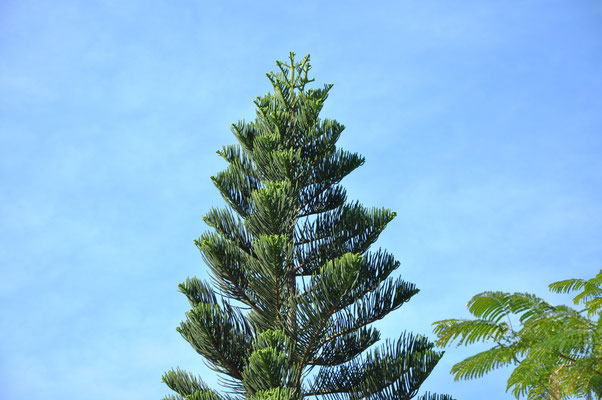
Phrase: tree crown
(295, 285)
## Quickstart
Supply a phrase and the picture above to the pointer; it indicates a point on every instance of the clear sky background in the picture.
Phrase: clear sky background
(481, 123)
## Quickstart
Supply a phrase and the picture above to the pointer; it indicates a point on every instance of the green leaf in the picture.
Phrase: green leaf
(274, 394)
(481, 363)
(221, 335)
(350, 229)
(468, 331)
(345, 347)
(182, 382)
(197, 292)
(226, 261)
(395, 370)
(269, 275)
(272, 210)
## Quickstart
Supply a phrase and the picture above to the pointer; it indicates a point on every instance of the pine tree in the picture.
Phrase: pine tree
(295, 287)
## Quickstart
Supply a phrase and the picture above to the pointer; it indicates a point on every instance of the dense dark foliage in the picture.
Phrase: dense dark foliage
(295, 287)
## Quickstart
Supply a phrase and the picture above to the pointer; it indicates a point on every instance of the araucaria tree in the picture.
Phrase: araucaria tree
(295, 285)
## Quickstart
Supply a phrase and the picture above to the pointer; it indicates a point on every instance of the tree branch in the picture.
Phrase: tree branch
(313, 338)
(315, 196)
(571, 359)
(242, 293)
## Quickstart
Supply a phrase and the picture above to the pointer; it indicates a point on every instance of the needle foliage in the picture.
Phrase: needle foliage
(295, 284)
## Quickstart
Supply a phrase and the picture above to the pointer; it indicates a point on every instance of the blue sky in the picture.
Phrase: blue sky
(480, 122)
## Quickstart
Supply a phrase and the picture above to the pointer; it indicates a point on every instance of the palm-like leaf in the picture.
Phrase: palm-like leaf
(468, 331)
(484, 362)
(590, 295)
(557, 350)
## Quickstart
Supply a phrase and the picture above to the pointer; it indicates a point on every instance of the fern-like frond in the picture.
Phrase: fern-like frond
(590, 292)
(529, 306)
(566, 286)
(536, 377)
(495, 306)
(492, 306)
(468, 331)
(557, 350)
(481, 363)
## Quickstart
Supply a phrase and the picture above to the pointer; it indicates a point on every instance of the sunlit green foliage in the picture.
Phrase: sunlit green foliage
(556, 350)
